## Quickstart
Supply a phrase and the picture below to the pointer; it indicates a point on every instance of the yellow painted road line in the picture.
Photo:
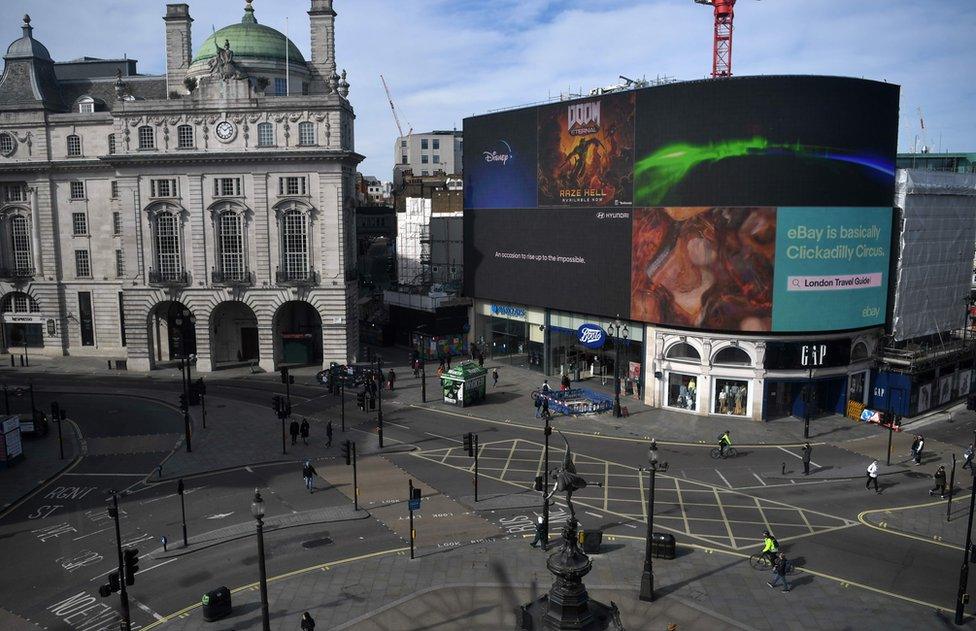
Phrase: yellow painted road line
(305, 570)
(824, 575)
(568, 432)
(509, 461)
(643, 498)
(762, 514)
(728, 526)
(909, 535)
(681, 504)
(805, 520)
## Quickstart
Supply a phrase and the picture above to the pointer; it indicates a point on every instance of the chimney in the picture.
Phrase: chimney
(179, 50)
(321, 19)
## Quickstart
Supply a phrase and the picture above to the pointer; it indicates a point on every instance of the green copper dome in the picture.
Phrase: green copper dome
(250, 40)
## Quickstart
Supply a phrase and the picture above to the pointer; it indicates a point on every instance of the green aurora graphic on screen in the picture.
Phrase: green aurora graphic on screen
(656, 174)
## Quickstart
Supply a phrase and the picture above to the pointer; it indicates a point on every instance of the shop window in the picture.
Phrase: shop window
(685, 352)
(856, 387)
(732, 356)
(682, 391)
(731, 397)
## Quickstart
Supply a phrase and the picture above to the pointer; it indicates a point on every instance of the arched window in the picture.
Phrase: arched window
(732, 356)
(266, 135)
(86, 105)
(74, 145)
(294, 245)
(147, 137)
(169, 262)
(111, 143)
(230, 244)
(684, 351)
(184, 137)
(859, 352)
(7, 144)
(18, 302)
(306, 133)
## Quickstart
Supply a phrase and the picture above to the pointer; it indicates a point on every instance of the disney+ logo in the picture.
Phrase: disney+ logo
(503, 155)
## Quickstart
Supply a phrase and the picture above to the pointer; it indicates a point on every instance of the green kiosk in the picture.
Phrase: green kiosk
(464, 384)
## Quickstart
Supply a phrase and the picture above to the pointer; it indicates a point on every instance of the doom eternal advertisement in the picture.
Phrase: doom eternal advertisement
(586, 152)
(747, 204)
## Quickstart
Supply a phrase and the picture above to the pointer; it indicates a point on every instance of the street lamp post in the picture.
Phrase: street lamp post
(423, 380)
(619, 330)
(806, 403)
(379, 398)
(257, 511)
(647, 576)
(962, 597)
(342, 405)
(547, 431)
(179, 490)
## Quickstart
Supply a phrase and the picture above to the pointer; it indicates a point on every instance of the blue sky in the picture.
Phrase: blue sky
(447, 59)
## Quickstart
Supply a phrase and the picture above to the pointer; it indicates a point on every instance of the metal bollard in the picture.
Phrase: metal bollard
(164, 540)
(12, 364)
(159, 472)
(21, 361)
(784, 468)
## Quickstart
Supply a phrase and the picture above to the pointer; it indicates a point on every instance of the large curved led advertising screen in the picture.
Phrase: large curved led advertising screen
(747, 204)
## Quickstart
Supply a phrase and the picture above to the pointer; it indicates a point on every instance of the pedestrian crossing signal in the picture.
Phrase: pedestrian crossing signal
(183, 404)
(130, 559)
(113, 585)
(347, 451)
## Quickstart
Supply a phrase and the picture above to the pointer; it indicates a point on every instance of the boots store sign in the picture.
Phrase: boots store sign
(591, 336)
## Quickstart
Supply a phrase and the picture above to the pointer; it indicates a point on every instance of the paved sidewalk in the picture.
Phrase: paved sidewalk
(927, 519)
(477, 587)
(40, 463)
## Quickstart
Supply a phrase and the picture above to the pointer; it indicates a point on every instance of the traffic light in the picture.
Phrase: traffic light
(130, 563)
(111, 587)
(415, 493)
(548, 430)
(538, 483)
(347, 451)
(286, 378)
(200, 387)
(183, 404)
(469, 444)
(361, 400)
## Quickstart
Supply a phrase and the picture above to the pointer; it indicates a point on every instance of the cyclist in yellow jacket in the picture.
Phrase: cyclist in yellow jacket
(770, 546)
(725, 440)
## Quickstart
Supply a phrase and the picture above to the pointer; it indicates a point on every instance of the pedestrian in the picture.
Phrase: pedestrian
(652, 452)
(328, 434)
(637, 388)
(391, 378)
(914, 447)
(308, 473)
(481, 359)
(494, 377)
(293, 430)
(968, 455)
(538, 406)
(918, 450)
(779, 573)
(564, 383)
(940, 482)
(540, 535)
(303, 430)
(807, 450)
(873, 476)
(308, 623)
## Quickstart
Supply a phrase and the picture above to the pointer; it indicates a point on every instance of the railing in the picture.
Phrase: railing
(170, 278)
(16, 273)
(239, 277)
(297, 277)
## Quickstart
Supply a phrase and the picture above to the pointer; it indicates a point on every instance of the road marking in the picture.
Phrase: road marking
(253, 586)
(397, 425)
(453, 440)
(221, 515)
(723, 478)
(508, 460)
(568, 432)
(108, 475)
(249, 469)
(153, 567)
(84, 452)
(152, 613)
(606, 485)
(681, 505)
(728, 526)
(762, 514)
(797, 455)
(89, 534)
(758, 478)
(807, 522)
(883, 527)
(593, 514)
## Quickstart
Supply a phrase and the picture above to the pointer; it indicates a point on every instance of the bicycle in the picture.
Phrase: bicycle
(760, 561)
(730, 452)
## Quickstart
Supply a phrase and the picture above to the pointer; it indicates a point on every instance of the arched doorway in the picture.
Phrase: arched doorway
(233, 334)
(22, 324)
(172, 331)
(298, 333)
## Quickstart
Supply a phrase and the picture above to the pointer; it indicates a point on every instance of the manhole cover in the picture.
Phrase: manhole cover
(315, 543)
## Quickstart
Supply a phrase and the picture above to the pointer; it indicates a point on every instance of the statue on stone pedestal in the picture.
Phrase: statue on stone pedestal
(223, 64)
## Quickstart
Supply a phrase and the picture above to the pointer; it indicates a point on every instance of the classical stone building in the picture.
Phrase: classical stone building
(208, 211)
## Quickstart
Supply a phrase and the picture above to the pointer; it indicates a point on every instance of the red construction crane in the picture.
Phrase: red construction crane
(722, 46)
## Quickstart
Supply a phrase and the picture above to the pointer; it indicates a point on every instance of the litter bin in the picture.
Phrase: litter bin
(216, 604)
(662, 545)
(591, 541)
